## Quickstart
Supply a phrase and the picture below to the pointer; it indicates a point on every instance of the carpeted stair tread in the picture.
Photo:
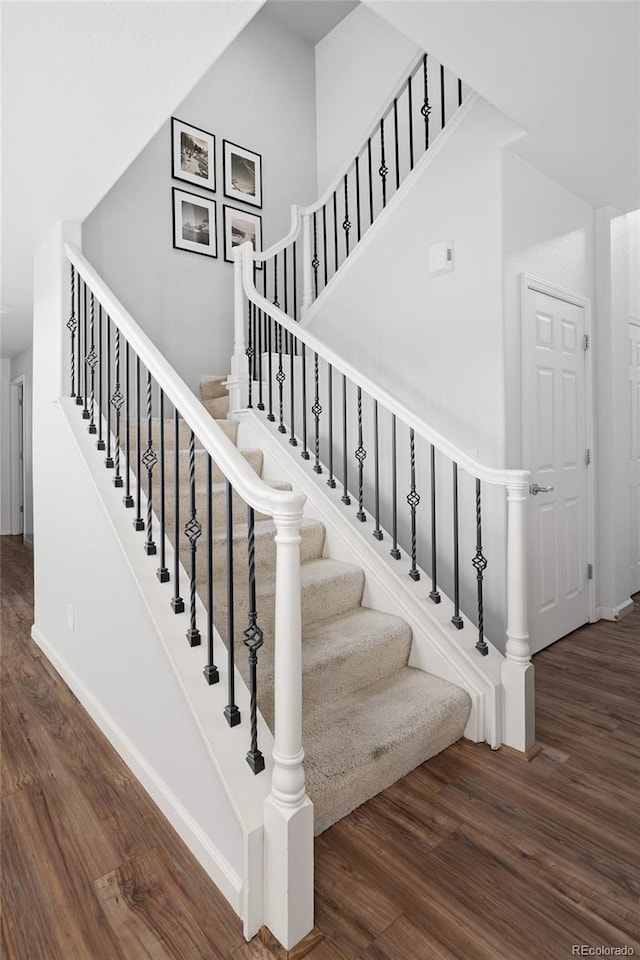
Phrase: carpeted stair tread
(253, 457)
(219, 503)
(213, 388)
(358, 747)
(229, 427)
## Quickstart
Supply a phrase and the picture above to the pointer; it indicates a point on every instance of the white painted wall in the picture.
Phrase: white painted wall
(358, 65)
(259, 94)
(5, 447)
(633, 230)
(22, 364)
(114, 650)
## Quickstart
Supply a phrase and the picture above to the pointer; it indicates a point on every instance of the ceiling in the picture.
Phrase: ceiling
(310, 19)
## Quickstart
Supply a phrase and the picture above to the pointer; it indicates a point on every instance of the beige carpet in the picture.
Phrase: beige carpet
(369, 718)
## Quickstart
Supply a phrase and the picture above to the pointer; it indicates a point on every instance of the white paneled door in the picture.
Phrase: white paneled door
(634, 450)
(555, 451)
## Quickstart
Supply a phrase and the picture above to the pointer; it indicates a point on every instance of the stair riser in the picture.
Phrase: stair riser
(210, 389)
(217, 407)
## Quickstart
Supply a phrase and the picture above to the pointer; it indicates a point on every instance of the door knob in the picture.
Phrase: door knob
(536, 488)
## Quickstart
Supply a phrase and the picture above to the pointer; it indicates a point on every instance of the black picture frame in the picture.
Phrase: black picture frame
(244, 217)
(196, 166)
(194, 231)
(241, 174)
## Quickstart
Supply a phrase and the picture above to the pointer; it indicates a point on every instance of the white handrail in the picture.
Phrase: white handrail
(501, 477)
(245, 481)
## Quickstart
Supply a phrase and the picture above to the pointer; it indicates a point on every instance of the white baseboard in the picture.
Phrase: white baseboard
(28, 540)
(208, 855)
(615, 613)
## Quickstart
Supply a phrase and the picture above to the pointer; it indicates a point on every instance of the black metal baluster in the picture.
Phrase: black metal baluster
(78, 315)
(360, 455)
(91, 359)
(149, 460)
(456, 619)
(410, 118)
(425, 109)
(442, 99)
(295, 282)
(285, 279)
(276, 302)
(376, 462)
(100, 444)
(271, 415)
(253, 639)
(358, 218)
(383, 170)
(315, 263)
(335, 229)
(117, 400)
(346, 223)
(316, 410)
(434, 593)
(480, 564)
(395, 552)
(292, 392)
(459, 92)
(162, 573)
(305, 452)
(324, 245)
(127, 499)
(346, 499)
(280, 377)
(108, 460)
(192, 530)
(331, 481)
(413, 499)
(138, 523)
(85, 375)
(370, 167)
(397, 147)
(210, 671)
(231, 711)
(259, 324)
(177, 603)
(250, 351)
(72, 326)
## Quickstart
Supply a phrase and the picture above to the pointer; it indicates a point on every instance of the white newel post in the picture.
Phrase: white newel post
(518, 692)
(288, 812)
(237, 383)
(307, 281)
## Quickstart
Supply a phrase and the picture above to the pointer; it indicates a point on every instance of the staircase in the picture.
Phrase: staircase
(368, 717)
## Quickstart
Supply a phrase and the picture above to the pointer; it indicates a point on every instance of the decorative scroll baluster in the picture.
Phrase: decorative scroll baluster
(72, 326)
(370, 168)
(280, 377)
(108, 460)
(413, 499)
(383, 170)
(177, 603)
(162, 573)
(271, 415)
(358, 218)
(335, 230)
(395, 551)
(293, 347)
(360, 455)
(316, 410)
(100, 444)
(397, 146)
(127, 499)
(149, 460)
(434, 594)
(85, 375)
(210, 671)
(315, 263)
(250, 352)
(456, 619)
(253, 640)
(116, 401)
(346, 223)
(480, 563)
(231, 711)
(376, 460)
(138, 523)
(305, 452)
(324, 245)
(91, 359)
(346, 499)
(259, 324)
(193, 530)
(425, 109)
(442, 98)
(331, 482)
(410, 119)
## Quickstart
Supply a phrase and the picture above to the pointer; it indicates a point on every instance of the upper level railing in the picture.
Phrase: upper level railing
(295, 270)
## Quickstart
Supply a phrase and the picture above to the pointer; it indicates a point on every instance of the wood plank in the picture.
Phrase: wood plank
(405, 941)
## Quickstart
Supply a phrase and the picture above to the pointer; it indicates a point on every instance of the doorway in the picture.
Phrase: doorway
(17, 413)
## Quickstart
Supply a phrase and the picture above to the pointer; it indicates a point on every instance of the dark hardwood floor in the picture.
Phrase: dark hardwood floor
(474, 855)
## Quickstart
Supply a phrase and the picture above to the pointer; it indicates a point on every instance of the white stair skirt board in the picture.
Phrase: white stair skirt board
(226, 746)
(437, 647)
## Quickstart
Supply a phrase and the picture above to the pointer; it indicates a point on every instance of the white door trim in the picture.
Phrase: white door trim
(16, 471)
(531, 284)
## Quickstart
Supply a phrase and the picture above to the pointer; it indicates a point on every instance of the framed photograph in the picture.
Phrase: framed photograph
(194, 223)
(242, 174)
(240, 226)
(194, 154)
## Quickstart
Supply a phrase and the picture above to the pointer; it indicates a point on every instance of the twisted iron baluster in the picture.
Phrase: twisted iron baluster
(116, 402)
(316, 410)
(383, 169)
(358, 217)
(210, 671)
(162, 572)
(280, 377)
(434, 593)
(425, 109)
(128, 498)
(271, 415)
(346, 223)
(138, 523)
(413, 499)
(108, 462)
(193, 530)
(480, 563)
(250, 355)
(231, 711)
(253, 640)
(149, 460)
(91, 360)
(360, 455)
(410, 120)
(85, 409)
(72, 326)
(315, 263)
(100, 444)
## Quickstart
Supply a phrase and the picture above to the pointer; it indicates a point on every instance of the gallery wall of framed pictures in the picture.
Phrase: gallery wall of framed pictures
(194, 216)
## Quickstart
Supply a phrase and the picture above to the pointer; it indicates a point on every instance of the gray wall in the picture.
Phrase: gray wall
(259, 94)
(22, 363)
